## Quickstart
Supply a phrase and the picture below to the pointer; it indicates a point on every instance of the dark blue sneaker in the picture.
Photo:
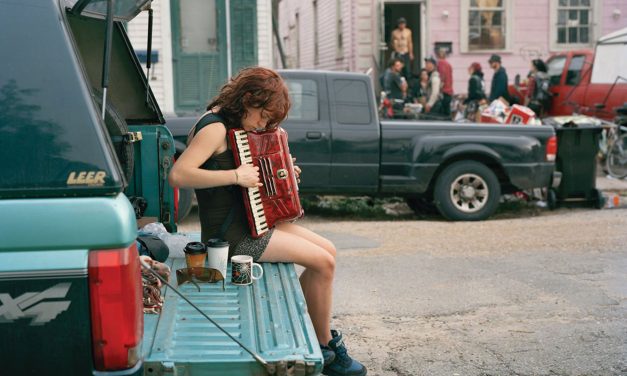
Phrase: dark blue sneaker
(343, 365)
(327, 354)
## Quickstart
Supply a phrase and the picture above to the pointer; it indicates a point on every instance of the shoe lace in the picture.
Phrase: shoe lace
(341, 353)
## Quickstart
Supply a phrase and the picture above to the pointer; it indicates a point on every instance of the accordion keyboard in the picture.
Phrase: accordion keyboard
(254, 194)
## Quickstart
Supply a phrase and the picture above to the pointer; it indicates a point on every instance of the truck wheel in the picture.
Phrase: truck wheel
(186, 200)
(117, 129)
(186, 196)
(551, 199)
(467, 191)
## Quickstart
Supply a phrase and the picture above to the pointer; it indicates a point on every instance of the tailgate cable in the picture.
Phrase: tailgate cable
(257, 357)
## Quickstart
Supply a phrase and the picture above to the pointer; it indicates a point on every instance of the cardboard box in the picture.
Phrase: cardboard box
(520, 115)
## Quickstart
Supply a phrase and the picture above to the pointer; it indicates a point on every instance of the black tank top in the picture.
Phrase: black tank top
(214, 204)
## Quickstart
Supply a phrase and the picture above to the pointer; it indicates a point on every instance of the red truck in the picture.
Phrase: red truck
(590, 82)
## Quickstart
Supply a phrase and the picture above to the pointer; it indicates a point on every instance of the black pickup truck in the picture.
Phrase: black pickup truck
(344, 148)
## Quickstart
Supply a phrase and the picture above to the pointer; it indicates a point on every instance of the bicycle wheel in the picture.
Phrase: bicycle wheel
(617, 158)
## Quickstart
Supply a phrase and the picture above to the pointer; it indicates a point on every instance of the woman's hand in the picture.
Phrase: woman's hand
(297, 170)
(247, 176)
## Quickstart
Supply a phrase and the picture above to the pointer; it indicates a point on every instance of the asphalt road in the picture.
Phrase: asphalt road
(544, 295)
(538, 295)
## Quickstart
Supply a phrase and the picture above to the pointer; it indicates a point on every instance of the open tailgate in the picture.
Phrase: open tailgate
(270, 317)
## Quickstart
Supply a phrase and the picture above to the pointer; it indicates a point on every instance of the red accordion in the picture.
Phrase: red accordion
(277, 200)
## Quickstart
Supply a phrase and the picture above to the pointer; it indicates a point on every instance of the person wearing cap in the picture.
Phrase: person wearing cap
(433, 92)
(498, 87)
(402, 45)
(446, 75)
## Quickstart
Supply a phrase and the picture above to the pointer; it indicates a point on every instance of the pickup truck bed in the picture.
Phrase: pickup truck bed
(270, 317)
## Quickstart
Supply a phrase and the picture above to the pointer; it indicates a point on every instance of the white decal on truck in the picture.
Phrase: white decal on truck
(30, 305)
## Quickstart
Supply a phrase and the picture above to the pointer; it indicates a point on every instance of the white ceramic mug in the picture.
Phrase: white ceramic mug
(242, 270)
(218, 255)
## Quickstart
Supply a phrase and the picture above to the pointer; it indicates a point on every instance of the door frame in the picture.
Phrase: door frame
(175, 13)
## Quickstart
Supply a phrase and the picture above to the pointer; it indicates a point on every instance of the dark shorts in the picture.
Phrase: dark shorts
(250, 246)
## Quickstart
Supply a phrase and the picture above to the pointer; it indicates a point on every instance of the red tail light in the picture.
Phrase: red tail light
(176, 201)
(176, 204)
(551, 149)
(117, 319)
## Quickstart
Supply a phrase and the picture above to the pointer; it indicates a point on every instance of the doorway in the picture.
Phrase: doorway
(412, 13)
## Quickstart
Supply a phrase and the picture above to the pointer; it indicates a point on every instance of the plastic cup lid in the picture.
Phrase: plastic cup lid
(215, 243)
(195, 247)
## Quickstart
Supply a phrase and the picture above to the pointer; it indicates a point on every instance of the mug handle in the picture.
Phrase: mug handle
(253, 271)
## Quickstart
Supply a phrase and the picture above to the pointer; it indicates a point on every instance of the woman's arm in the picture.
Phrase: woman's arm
(186, 172)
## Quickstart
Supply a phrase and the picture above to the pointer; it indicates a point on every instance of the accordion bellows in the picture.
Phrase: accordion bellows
(277, 200)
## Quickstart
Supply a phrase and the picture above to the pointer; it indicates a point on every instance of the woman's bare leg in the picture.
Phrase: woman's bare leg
(293, 243)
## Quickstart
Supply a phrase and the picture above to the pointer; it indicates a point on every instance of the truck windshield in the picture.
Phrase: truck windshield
(555, 69)
(573, 76)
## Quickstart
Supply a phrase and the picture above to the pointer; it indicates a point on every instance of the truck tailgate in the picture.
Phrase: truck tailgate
(270, 317)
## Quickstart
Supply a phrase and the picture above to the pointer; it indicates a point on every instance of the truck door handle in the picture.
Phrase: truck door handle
(314, 135)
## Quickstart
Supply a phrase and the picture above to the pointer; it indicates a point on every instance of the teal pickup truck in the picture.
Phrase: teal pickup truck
(75, 186)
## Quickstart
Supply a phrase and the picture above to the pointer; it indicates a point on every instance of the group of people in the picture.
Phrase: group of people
(432, 87)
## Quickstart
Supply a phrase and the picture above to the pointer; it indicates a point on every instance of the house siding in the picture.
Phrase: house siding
(264, 33)
(530, 34)
(611, 22)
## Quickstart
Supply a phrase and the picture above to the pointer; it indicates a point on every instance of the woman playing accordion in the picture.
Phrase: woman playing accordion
(257, 100)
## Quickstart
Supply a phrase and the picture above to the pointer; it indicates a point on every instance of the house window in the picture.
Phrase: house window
(338, 22)
(573, 21)
(485, 25)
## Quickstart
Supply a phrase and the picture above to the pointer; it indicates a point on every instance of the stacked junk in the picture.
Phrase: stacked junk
(577, 149)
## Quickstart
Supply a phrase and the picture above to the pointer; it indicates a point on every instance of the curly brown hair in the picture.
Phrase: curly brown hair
(255, 87)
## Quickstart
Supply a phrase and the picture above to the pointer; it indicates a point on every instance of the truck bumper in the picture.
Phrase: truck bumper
(531, 175)
(137, 370)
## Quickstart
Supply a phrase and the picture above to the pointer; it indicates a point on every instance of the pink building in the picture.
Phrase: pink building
(354, 34)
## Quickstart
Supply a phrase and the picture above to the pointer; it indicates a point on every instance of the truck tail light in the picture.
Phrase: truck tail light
(551, 149)
(176, 205)
(117, 319)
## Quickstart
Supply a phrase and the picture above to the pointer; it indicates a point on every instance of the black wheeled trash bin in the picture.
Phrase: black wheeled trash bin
(577, 148)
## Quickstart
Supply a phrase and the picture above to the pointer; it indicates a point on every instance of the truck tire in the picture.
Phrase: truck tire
(186, 201)
(186, 195)
(467, 191)
(117, 129)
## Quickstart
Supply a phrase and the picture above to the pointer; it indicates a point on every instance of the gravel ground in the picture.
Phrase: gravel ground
(528, 293)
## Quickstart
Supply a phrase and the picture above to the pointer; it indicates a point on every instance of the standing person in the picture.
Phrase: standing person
(257, 99)
(433, 104)
(499, 80)
(476, 85)
(476, 90)
(538, 96)
(446, 76)
(402, 45)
